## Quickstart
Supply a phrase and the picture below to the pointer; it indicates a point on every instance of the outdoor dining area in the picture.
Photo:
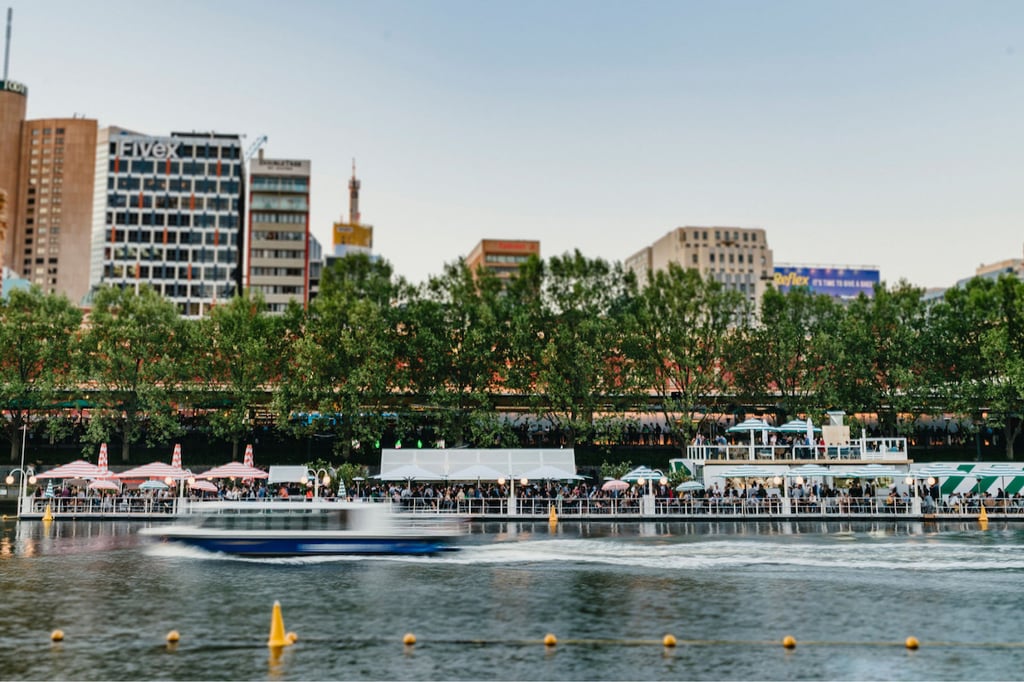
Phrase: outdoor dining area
(81, 489)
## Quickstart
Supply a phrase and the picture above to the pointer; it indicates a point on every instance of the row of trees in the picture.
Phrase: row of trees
(571, 339)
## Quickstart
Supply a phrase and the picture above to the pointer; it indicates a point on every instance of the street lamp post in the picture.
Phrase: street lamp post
(316, 480)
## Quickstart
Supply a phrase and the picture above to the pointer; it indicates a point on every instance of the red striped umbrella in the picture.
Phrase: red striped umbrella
(205, 486)
(106, 484)
(247, 460)
(157, 470)
(176, 457)
(77, 469)
(234, 470)
(101, 463)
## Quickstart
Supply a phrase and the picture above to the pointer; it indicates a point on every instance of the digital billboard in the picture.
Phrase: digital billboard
(841, 283)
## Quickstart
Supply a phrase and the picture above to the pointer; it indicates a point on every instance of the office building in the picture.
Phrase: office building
(13, 105)
(279, 238)
(49, 242)
(739, 258)
(502, 256)
(167, 212)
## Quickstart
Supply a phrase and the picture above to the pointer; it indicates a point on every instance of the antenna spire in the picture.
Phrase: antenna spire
(7, 44)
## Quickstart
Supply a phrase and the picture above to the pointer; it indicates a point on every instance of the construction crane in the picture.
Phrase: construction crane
(254, 147)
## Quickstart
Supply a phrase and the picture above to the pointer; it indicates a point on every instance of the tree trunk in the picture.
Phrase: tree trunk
(1011, 433)
(125, 448)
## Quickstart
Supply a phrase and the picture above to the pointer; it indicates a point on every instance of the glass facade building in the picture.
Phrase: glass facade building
(167, 211)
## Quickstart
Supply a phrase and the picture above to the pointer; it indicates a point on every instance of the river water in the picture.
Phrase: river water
(850, 593)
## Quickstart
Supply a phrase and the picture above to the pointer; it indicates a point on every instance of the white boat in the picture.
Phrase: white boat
(295, 528)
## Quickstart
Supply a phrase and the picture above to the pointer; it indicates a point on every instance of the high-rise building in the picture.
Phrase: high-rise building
(352, 236)
(737, 257)
(49, 242)
(502, 256)
(167, 212)
(279, 238)
(13, 105)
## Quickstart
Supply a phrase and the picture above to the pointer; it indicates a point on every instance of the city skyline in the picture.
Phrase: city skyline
(852, 133)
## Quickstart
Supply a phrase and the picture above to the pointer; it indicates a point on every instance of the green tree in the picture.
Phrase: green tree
(134, 355)
(787, 358)
(568, 341)
(457, 352)
(686, 320)
(878, 368)
(344, 362)
(37, 340)
(240, 352)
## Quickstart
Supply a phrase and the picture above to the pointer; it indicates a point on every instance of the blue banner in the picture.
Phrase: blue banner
(842, 283)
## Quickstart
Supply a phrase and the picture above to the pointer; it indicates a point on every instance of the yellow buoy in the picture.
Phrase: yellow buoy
(912, 642)
(57, 635)
(668, 640)
(789, 642)
(552, 516)
(48, 514)
(277, 635)
(409, 639)
(983, 515)
(173, 636)
(550, 640)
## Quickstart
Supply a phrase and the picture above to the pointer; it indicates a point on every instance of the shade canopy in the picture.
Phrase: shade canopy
(77, 469)
(155, 470)
(104, 484)
(999, 471)
(476, 472)
(550, 473)
(153, 485)
(409, 472)
(234, 470)
(747, 471)
(940, 471)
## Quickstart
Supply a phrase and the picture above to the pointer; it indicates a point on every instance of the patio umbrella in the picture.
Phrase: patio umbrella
(153, 485)
(643, 472)
(747, 471)
(49, 489)
(176, 456)
(872, 471)
(615, 485)
(809, 470)
(751, 426)
(204, 486)
(155, 470)
(102, 463)
(689, 486)
(799, 426)
(77, 469)
(234, 470)
(104, 484)
(247, 460)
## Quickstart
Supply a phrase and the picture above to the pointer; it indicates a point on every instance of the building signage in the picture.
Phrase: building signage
(149, 148)
(14, 86)
(841, 283)
(280, 167)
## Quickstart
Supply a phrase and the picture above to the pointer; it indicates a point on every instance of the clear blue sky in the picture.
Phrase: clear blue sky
(882, 133)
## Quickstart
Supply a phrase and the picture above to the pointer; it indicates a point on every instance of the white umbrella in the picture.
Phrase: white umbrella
(809, 470)
(104, 484)
(752, 425)
(689, 485)
(872, 471)
(747, 471)
(152, 485)
(643, 472)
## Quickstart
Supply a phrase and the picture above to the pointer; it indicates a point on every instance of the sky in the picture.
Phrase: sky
(862, 133)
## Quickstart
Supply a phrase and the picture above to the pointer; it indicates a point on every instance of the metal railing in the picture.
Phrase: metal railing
(870, 449)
